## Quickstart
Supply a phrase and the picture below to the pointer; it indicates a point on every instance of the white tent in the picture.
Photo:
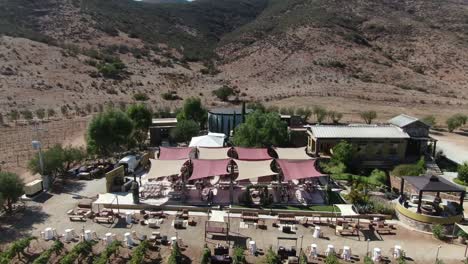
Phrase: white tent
(292, 153)
(164, 168)
(347, 209)
(212, 140)
(253, 169)
(213, 153)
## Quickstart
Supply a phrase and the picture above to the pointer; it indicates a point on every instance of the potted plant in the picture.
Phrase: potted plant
(462, 236)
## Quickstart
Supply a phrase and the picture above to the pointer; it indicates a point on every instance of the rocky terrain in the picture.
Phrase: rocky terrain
(389, 55)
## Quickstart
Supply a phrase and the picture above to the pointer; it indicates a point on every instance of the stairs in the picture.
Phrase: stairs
(432, 168)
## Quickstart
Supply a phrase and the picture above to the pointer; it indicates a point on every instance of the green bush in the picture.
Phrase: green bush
(438, 231)
(271, 257)
(45, 256)
(83, 248)
(238, 256)
(15, 249)
(175, 257)
(138, 255)
(463, 172)
(170, 96)
(224, 92)
(368, 260)
(206, 255)
(331, 259)
(108, 252)
(410, 169)
(141, 96)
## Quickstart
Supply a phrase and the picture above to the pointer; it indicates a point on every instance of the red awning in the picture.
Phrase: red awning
(252, 153)
(298, 169)
(174, 153)
(209, 168)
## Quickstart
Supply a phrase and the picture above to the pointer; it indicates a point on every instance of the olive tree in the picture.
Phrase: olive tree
(320, 114)
(368, 116)
(193, 110)
(260, 130)
(141, 117)
(11, 188)
(463, 172)
(108, 132)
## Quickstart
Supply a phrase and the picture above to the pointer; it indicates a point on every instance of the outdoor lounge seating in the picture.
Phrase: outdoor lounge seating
(249, 216)
(287, 218)
(77, 218)
(104, 219)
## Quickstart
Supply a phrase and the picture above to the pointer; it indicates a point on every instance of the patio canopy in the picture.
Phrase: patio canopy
(252, 153)
(298, 169)
(213, 153)
(429, 183)
(164, 168)
(208, 168)
(212, 140)
(292, 153)
(347, 209)
(174, 153)
(253, 169)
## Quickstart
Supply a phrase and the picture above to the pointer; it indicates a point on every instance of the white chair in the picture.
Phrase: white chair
(313, 251)
(316, 232)
(252, 247)
(128, 240)
(377, 255)
(346, 253)
(330, 250)
(397, 251)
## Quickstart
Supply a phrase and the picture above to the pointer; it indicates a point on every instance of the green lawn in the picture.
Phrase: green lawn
(458, 181)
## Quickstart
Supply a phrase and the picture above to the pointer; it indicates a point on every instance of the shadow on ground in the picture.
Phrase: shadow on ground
(20, 223)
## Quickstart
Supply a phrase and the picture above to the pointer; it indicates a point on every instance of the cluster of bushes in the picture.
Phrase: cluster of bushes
(108, 252)
(81, 249)
(57, 247)
(15, 249)
(462, 177)
(224, 92)
(141, 96)
(139, 253)
(410, 169)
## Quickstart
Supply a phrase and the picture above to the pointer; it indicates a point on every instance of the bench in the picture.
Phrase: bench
(287, 218)
(249, 216)
(100, 219)
(77, 218)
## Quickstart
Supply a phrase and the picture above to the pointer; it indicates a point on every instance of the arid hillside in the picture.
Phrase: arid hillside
(393, 56)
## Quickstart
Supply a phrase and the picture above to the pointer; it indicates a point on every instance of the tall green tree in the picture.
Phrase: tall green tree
(463, 172)
(193, 110)
(368, 116)
(11, 188)
(343, 153)
(57, 160)
(260, 130)
(141, 117)
(185, 130)
(109, 132)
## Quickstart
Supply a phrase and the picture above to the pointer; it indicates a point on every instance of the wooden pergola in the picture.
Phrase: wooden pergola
(430, 183)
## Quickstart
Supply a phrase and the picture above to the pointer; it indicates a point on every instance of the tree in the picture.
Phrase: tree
(185, 130)
(13, 115)
(343, 153)
(28, 115)
(320, 114)
(463, 172)
(11, 188)
(261, 130)
(193, 110)
(108, 132)
(335, 117)
(142, 118)
(378, 176)
(223, 92)
(368, 116)
(57, 160)
(429, 120)
(50, 113)
(40, 113)
(456, 121)
(304, 113)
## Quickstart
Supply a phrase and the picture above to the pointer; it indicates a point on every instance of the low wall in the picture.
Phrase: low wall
(425, 222)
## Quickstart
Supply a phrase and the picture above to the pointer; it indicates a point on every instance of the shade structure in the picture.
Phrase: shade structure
(292, 153)
(212, 140)
(249, 169)
(252, 153)
(164, 168)
(428, 183)
(347, 209)
(213, 153)
(298, 169)
(174, 153)
(208, 168)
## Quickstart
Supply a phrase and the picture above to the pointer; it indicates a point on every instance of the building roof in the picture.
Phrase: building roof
(358, 131)
(430, 183)
(404, 120)
(228, 111)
